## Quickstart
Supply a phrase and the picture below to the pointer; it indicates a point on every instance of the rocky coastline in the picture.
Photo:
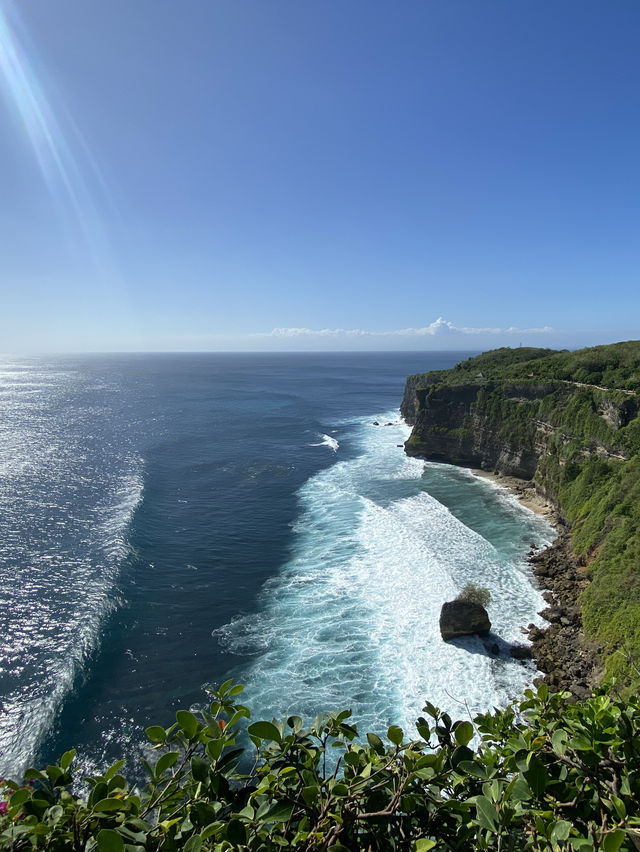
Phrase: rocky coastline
(568, 660)
(566, 425)
(561, 651)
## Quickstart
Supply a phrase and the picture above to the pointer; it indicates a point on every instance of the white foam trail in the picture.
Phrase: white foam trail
(327, 441)
(353, 618)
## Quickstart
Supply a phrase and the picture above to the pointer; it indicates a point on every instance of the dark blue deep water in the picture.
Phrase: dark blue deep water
(167, 521)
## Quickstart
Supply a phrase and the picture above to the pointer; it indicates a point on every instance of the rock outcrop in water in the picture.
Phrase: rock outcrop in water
(463, 618)
(569, 423)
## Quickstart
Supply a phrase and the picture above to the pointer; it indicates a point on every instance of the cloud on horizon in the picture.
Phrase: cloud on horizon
(438, 328)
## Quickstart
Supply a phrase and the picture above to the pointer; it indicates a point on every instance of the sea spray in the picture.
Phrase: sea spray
(352, 618)
(236, 508)
(327, 441)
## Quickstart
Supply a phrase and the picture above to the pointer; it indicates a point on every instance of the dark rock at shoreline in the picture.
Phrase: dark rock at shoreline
(521, 652)
(463, 618)
(562, 652)
(375, 423)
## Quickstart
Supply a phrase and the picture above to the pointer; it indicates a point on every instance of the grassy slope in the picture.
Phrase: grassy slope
(599, 492)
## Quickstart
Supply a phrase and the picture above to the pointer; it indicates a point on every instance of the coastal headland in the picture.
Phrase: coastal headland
(562, 431)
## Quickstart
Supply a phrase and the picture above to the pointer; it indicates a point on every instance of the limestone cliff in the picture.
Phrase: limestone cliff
(569, 422)
(456, 423)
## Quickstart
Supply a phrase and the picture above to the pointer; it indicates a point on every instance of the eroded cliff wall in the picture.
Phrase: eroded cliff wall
(570, 423)
(510, 427)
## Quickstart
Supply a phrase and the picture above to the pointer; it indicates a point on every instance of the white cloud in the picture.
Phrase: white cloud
(439, 328)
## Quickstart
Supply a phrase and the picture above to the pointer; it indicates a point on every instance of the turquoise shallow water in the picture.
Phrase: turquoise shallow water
(168, 521)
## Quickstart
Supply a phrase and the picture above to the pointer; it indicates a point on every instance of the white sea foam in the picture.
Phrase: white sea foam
(327, 441)
(352, 619)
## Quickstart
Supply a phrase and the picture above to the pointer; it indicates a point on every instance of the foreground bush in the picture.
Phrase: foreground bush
(545, 774)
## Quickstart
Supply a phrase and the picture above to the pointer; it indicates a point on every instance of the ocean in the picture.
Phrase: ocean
(168, 521)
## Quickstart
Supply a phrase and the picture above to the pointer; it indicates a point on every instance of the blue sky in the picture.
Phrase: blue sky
(315, 174)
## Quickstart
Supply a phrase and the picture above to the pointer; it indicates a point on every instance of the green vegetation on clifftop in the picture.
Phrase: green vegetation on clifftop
(571, 422)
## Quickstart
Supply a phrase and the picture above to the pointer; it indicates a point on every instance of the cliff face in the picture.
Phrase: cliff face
(456, 424)
(570, 423)
(508, 427)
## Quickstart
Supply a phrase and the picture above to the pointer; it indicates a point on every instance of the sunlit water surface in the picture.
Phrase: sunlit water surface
(168, 521)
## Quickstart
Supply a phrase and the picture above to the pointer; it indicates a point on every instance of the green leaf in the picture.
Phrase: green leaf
(537, 776)
(40, 829)
(54, 814)
(463, 733)
(226, 686)
(193, 844)
(100, 791)
(67, 757)
(280, 812)
(20, 797)
(212, 828)
(118, 782)
(580, 743)
(561, 830)
(424, 844)
(54, 772)
(236, 833)
(110, 805)
(486, 813)
(310, 794)
(476, 770)
(431, 710)
(295, 723)
(214, 748)
(265, 731)
(461, 755)
(187, 722)
(110, 841)
(340, 791)
(376, 743)
(395, 735)
(613, 842)
(199, 768)
(619, 805)
(239, 714)
(114, 769)
(559, 741)
(166, 762)
(34, 773)
(156, 734)
(520, 792)
(229, 757)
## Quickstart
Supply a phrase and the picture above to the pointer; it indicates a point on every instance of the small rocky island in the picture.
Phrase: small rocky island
(467, 614)
(463, 618)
